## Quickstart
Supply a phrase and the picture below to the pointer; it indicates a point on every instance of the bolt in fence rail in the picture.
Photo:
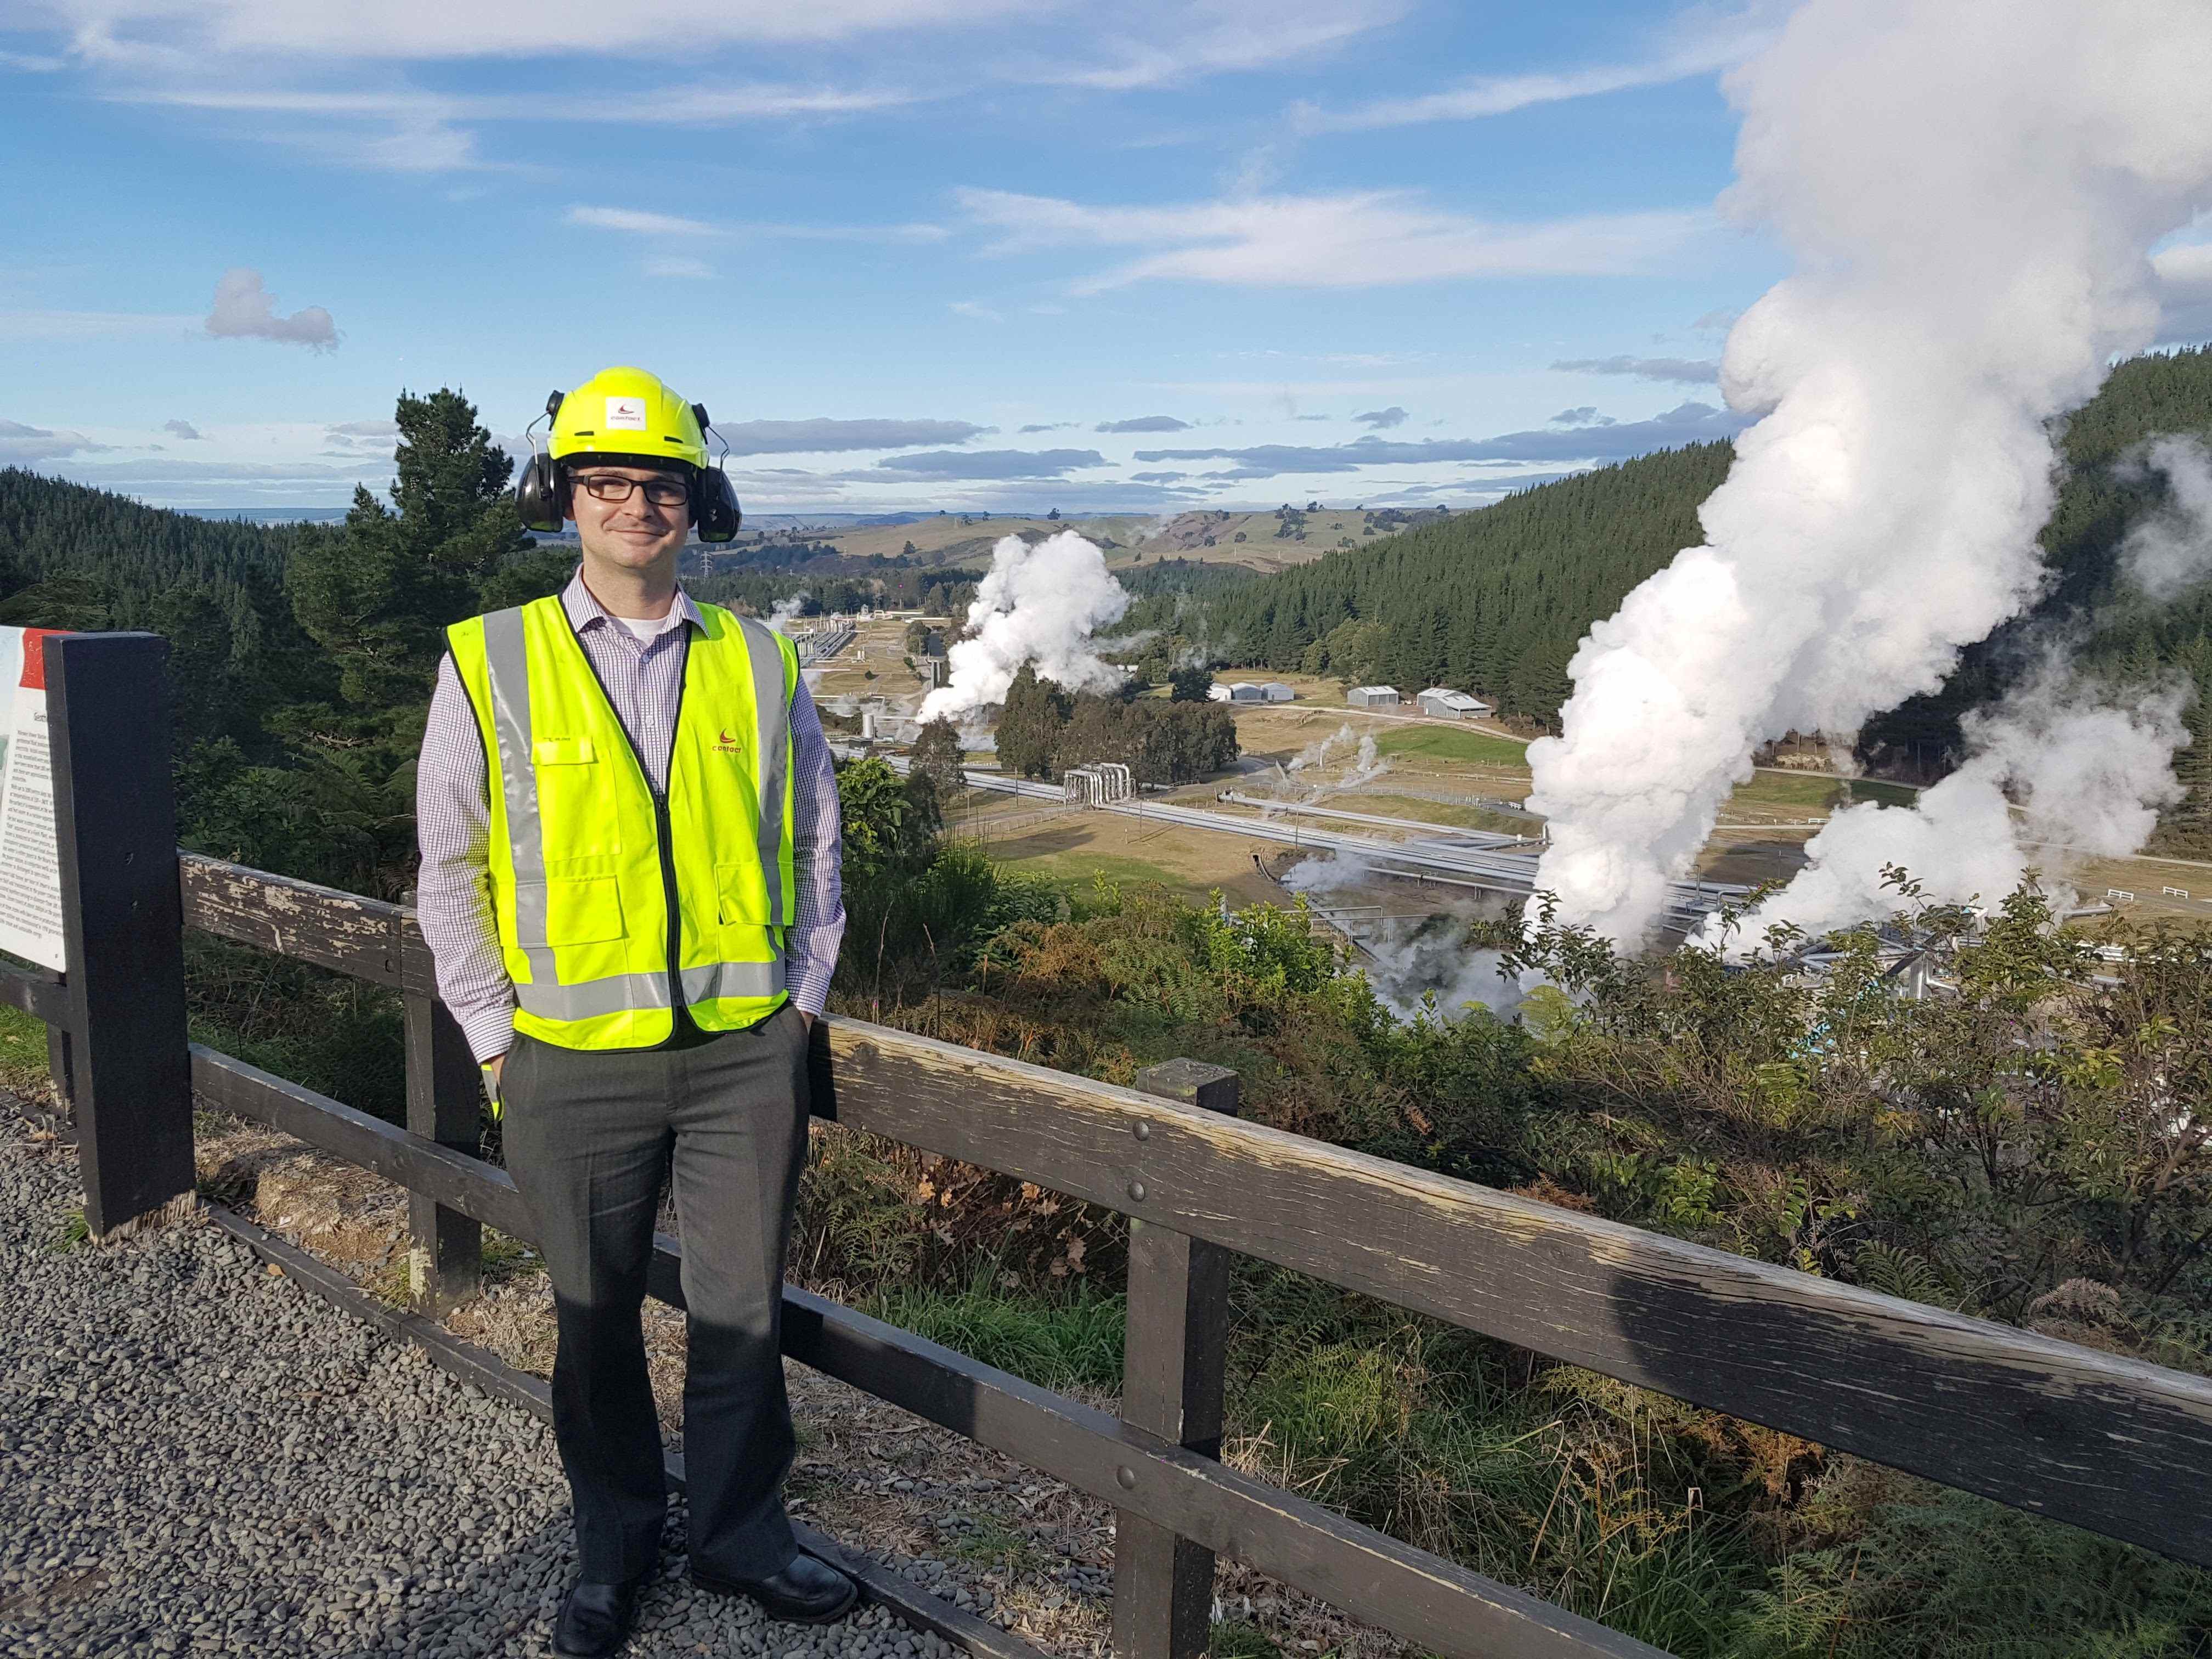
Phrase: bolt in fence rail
(2109, 1444)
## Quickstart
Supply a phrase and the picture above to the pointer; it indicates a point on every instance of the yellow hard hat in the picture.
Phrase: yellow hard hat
(626, 411)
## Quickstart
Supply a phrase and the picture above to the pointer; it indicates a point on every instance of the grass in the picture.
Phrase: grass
(72, 1232)
(22, 1049)
(989, 1540)
(1237, 1638)
(1814, 793)
(1072, 1341)
(1445, 743)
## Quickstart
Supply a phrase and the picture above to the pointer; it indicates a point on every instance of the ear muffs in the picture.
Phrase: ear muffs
(541, 494)
(715, 507)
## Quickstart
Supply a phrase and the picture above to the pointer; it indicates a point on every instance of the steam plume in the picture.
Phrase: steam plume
(2088, 773)
(1039, 604)
(2172, 549)
(1970, 188)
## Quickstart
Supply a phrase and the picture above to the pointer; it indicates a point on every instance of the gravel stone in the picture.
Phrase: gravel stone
(198, 1457)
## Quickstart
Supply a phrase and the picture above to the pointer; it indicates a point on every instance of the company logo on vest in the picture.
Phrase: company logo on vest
(728, 745)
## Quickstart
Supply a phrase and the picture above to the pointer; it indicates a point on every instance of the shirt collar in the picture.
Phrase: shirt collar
(585, 611)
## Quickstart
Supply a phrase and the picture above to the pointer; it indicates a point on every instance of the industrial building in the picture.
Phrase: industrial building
(1452, 705)
(1250, 691)
(1372, 696)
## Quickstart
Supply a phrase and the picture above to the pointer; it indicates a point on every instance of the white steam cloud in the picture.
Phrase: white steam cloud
(788, 611)
(2087, 772)
(2172, 549)
(1409, 962)
(1039, 604)
(1367, 764)
(1970, 189)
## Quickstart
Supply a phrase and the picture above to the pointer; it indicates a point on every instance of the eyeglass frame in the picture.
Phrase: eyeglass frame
(595, 484)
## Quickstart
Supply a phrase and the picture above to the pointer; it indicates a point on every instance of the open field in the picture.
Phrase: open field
(1452, 743)
(1765, 822)
(874, 664)
(1129, 539)
(1083, 846)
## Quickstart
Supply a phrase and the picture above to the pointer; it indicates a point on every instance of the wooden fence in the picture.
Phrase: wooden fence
(2111, 1445)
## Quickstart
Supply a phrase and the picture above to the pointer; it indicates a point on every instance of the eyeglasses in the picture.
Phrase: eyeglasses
(661, 492)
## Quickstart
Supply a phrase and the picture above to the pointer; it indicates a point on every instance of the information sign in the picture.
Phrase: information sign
(30, 865)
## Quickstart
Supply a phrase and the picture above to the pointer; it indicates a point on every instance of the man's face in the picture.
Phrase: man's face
(635, 533)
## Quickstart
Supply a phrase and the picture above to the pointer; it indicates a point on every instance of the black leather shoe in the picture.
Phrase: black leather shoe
(595, 1619)
(804, 1592)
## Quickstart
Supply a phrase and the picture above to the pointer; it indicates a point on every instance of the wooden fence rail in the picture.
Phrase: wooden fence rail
(2105, 1442)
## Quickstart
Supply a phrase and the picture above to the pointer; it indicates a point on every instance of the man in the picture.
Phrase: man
(631, 885)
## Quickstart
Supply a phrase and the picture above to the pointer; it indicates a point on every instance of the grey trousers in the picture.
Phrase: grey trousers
(589, 1136)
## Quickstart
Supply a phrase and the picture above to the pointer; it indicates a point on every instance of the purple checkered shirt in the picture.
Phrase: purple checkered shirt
(452, 818)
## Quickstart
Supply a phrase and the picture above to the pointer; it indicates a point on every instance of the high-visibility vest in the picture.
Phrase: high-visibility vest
(609, 895)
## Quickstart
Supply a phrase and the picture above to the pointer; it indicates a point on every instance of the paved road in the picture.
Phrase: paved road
(196, 1458)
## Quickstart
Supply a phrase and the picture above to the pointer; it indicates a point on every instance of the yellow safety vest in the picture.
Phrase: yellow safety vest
(606, 893)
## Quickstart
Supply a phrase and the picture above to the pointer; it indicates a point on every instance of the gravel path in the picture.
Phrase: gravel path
(196, 1458)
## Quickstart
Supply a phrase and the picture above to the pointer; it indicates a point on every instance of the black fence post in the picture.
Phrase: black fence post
(129, 1071)
(445, 1257)
(1171, 1384)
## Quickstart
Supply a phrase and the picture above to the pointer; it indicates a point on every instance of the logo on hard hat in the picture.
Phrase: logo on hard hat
(625, 415)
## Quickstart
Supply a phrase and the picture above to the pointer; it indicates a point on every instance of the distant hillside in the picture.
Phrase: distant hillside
(1275, 538)
(96, 559)
(1493, 600)
(1496, 600)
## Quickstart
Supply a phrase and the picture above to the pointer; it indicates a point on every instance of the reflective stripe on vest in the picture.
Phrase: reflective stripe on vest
(574, 846)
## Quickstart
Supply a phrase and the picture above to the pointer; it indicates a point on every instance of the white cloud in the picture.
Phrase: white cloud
(25, 63)
(637, 222)
(981, 313)
(680, 266)
(1176, 41)
(71, 327)
(245, 310)
(184, 430)
(21, 444)
(429, 30)
(632, 222)
(1358, 240)
(2184, 279)
(1709, 45)
(1681, 371)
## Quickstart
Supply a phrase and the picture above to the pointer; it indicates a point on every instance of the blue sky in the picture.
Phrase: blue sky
(1334, 248)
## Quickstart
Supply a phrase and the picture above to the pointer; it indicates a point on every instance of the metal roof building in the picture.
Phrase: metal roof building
(1372, 696)
(1452, 705)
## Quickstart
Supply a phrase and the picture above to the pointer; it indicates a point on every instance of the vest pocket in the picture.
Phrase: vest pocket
(741, 894)
(568, 910)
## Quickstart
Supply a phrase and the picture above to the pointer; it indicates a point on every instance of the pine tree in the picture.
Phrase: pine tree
(938, 757)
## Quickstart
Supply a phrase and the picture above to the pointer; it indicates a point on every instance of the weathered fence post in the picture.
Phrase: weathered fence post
(128, 1069)
(445, 1257)
(1171, 1383)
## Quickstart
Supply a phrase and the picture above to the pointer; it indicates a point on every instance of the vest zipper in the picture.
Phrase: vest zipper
(664, 830)
(677, 1015)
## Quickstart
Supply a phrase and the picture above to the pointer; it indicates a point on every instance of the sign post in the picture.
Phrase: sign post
(115, 843)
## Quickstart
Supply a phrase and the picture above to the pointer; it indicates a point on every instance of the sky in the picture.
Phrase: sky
(911, 254)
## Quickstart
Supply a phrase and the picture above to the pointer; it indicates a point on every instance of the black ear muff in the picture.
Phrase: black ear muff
(541, 495)
(714, 506)
(713, 503)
